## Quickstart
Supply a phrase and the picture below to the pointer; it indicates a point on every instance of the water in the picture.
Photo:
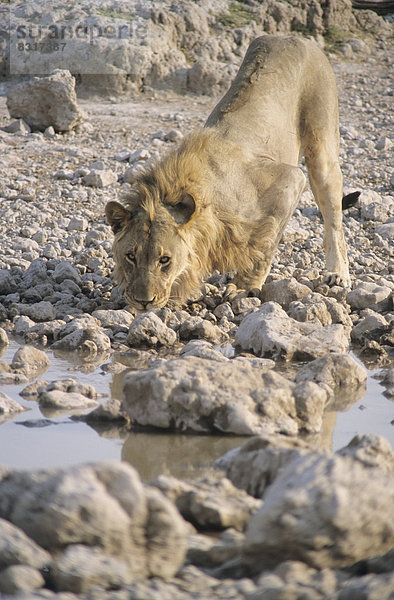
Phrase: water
(60, 440)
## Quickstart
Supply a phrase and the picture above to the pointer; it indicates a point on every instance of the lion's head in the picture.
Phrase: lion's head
(171, 233)
(151, 250)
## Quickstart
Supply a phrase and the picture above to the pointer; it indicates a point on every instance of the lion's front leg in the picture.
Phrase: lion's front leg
(277, 203)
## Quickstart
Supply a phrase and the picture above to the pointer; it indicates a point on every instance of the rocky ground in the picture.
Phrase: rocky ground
(281, 520)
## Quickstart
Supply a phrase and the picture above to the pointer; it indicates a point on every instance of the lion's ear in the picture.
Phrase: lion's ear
(117, 215)
(183, 210)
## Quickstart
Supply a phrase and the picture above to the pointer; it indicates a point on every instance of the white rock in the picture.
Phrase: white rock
(103, 505)
(174, 135)
(16, 548)
(149, 330)
(386, 231)
(310, 308)
(203, 349)
(256, 464)
(370, 295)
(88, 342)
(4, 341)
(79, 568)
(39, 311)
(65, 270)
(270, 332)
(19, 126)
(368, 196)
(70, 401)
(46, 101)
(206, 395)
(22, 325)
(119, 320)
(8, 406)
(384, 143)
(244, 305)
(100, 178)
(20, 578)
(371, 451)
(325, 511)
(340, 375)
(139, 155)
(196, 327)
(284, 291)
(210, 504)
(123, 155)
(49, 132)
(30, 361)
(368, 324)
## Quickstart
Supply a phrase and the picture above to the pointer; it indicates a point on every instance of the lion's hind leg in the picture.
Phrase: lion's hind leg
(326, 183)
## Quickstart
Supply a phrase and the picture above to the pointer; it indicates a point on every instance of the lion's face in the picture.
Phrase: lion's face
(149, 254)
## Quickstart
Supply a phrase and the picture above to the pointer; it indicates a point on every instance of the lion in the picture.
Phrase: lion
(222, 199)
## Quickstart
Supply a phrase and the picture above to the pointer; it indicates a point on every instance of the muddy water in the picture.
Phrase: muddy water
(36, 439)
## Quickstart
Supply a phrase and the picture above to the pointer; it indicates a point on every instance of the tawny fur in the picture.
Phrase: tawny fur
(222, 199)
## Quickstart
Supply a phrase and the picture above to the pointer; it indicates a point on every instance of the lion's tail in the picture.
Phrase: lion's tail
(350, 200)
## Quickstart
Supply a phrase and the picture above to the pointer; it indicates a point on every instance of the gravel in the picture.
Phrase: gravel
(56, 290)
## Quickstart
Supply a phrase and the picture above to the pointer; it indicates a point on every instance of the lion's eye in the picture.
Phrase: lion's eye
(130, 257)
(164, 261)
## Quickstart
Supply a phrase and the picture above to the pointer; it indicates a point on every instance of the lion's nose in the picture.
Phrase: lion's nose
(146, 302)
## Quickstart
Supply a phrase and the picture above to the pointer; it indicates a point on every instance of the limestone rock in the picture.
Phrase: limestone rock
(87, 342)
(101, 505)
(77, 223)
(18, 126)
(370, 295)
(379, 586)
(256, 464)
(209, 504)
(270, 332)
(39, 311)
(371, 451)
(343, 378)
(79, 568)
(46, 101)
(386, 231)
(8, 406)
(284, 291)
(100, 178)
(59, 400)
(7, 283)
(206, 395)
(117, 320)
(310, 308)
(202, 349)
(371, 323)
(198, 328)
(20, 578)
(30, 361)
(149, 330)
(209, 77)
(324, 511)
(16, 548)
(65, 270)
(165, 535)
(205, 551)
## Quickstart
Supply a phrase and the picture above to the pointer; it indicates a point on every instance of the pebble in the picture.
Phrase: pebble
(8, 406)
(100, 178)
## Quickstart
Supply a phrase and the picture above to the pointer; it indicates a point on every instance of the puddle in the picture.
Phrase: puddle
(34, 440)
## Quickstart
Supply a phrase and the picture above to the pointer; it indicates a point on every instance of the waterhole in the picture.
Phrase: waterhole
(36, 438)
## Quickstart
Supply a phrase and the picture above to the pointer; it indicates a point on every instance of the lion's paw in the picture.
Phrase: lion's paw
(332, 279)
(232, 292)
